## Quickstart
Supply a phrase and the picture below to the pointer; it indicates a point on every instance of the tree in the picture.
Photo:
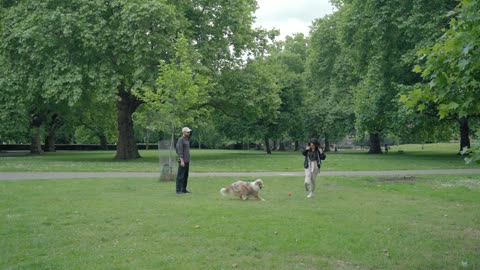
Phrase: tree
(379, 35)
(29, 85)
(56, 51)
(330, 79)
(450, 69)
(96, 115)
(220, 30)
(179, 92)
(289, 56)
(13, 115)
(249, 101)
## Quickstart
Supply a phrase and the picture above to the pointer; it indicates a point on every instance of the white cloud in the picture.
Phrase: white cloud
(290, 16)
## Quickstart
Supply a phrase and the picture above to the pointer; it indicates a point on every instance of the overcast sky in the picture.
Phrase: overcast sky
(290, 16)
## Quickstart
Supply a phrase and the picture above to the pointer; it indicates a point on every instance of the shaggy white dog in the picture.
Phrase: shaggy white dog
(244, 189)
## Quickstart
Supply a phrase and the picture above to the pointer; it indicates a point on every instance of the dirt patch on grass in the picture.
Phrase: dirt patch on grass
(397, 178)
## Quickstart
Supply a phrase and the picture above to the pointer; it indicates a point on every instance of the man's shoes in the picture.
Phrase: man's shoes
(310, 195)
(186, 191)
(179, 192)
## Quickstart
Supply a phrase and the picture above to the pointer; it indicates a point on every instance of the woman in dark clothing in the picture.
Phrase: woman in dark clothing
(313, 159)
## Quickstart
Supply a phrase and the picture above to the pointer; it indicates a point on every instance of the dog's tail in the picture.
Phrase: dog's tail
(224, 191)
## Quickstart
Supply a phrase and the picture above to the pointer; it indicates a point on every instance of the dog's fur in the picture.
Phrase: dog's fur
(244, 189)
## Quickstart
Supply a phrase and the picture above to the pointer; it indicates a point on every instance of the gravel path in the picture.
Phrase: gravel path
(77, 175)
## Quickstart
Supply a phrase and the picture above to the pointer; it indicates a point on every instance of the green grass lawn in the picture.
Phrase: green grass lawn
(430, 222)
(432, 156)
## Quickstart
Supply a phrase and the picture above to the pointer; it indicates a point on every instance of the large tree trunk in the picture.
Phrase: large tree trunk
(35, 141)
(297, 146)
(126, 105)
(103, 141)
(50, 141)
(327, 143)
(51, 138)
(267, 146)
(375, 147)
(281, 146)
(464, 133)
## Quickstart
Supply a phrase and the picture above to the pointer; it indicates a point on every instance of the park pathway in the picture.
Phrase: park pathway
(79, 175)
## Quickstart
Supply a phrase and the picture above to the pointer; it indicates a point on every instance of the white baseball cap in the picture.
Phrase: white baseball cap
(186, 129)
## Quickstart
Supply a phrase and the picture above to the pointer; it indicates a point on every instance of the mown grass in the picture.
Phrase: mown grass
(430, 222)
(432, 156)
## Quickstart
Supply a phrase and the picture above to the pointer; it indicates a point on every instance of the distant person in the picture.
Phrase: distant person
(386, 148)
(183, 151)
(313, 159)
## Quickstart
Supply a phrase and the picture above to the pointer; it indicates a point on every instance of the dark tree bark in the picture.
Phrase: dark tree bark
(464, 133)
(35, 141)
(50, 141)
(267, 146)
(103, 141)
(375, 147)
(51, 138)
(126, 105)
(327, 143)
(281, 146)
(297, 146)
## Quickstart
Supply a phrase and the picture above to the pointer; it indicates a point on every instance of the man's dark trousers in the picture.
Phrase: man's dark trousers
(182, 177)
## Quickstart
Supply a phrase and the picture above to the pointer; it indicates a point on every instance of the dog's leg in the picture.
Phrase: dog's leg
(259, 198)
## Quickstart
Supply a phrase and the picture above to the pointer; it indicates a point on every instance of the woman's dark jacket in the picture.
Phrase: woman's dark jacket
(321, 156)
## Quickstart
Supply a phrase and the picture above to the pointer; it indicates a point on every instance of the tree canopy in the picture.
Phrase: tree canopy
(407, 70)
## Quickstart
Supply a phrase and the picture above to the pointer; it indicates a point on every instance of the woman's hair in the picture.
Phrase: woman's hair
(315, 142)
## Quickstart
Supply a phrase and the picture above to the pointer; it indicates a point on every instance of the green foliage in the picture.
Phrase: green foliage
(331, 77)
(373, 39)
(411, 126)
(381, 38)
(289, 58)
(450, 67)
(95, 116)
(220, 30)
(57, 52)
(179, 91)
(85, 136)
(249, 98)
(54, 53)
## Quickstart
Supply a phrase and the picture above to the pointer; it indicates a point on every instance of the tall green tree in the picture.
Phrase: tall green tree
(180, 91)
(330, 78)
(249, 99)
(379, 35)
(56, 51)
(288, 57)
(451, 68)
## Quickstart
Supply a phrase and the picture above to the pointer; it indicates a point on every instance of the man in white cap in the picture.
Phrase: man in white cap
(183, 151)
